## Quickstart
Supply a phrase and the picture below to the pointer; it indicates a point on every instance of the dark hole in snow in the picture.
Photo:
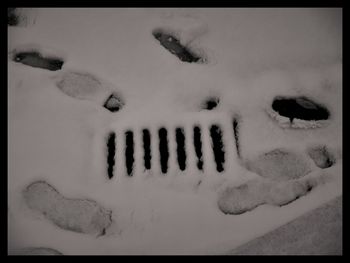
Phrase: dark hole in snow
(36, 60)
(198, 146)
(163, 149)
(322, 157)
(300, 108)
(147, 148)
(218, 147)
(129, 152)
(236, 134)
(174, 46)
(211, 103)
(12, 17)
(113, 103)
(111, 154)
(181, 152)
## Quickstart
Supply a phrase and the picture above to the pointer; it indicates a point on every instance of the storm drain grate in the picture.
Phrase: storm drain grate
(156, 149)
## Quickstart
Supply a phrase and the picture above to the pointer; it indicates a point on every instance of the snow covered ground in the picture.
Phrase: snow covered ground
(58, 125)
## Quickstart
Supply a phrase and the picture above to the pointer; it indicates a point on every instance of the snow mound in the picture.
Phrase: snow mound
(238, 200)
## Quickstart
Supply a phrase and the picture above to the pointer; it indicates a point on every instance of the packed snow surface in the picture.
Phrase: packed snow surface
(58, 126)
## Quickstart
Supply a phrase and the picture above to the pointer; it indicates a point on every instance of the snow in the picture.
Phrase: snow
(309, 235)
(252, 56)
(84, 216)
(279, 165)
(82, 85)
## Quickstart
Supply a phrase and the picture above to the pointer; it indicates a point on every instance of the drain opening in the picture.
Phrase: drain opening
(174, 46)
(181, 152)
(147, 148)
(111, 146)
(36, 60)
(300, 108)
(211, 103)
(129, 152)
(218, 147)
(198, 146)
(113, 103)
(236, 134)
(163, 149)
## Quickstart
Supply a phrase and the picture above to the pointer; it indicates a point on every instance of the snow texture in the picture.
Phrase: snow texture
(318, 232)
(245, 197)
(79, 85)
(83, 216)
(279, 165)
(322, 157)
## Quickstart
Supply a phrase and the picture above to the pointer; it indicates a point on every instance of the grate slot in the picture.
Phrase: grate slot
(218, 147)
(111, 149)
(146, 135)
(163, 149)
(236, 134)
(181, 152)
(197, 141)
(129, 152)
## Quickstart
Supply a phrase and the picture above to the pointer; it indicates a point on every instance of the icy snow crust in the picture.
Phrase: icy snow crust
(253, 55)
